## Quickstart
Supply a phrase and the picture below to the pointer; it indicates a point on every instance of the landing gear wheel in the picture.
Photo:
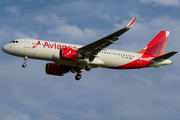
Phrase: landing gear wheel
(88, 67)
(78, 77)
(25, 60)
(24, 65)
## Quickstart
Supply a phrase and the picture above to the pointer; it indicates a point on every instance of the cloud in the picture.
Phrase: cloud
(107, 17)
(13, 9)
(20, 35)
(73, 32)
(163, 2)
(50, 20)
(60, 26)
(15, 115)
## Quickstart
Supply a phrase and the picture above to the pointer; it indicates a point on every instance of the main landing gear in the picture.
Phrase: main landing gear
(88, 67)
(79, 76)
(25, 60)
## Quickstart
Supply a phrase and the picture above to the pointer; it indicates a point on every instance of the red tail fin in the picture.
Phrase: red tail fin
(157, 46)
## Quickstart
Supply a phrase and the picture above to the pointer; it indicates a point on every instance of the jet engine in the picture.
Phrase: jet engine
(69, 54)
(55, 69)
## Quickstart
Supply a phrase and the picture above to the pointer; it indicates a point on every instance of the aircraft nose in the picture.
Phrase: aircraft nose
(4, 48)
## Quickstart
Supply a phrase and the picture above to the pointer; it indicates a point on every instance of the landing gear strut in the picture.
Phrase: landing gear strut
(78, 76)
(25, 60)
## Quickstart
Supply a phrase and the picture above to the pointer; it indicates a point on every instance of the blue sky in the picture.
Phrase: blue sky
(103, 94)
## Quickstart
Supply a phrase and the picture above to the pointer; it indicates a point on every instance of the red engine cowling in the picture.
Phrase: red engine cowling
(54, 69)
(69, 54)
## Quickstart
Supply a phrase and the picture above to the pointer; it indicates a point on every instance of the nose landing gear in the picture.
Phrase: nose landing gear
(24, 65)
(78, 76)
(25, 60)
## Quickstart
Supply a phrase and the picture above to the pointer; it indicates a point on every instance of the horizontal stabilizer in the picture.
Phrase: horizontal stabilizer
(165, 56)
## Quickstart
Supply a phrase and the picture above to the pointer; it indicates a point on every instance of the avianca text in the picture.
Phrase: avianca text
(53, 46)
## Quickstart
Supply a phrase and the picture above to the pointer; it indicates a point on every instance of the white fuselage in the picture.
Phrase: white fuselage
(47, 50)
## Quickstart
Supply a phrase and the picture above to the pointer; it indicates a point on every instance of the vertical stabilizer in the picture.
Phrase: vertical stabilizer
(157, 46)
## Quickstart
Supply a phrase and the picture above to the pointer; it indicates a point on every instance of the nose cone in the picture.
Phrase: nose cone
(5, 48)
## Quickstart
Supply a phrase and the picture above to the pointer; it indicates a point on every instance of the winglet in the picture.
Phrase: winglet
(131, 23)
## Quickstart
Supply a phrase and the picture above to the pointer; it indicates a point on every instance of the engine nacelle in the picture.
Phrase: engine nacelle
(69, 54)
(54, 69)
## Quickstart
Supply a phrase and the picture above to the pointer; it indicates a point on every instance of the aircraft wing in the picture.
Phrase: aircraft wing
(91, 50)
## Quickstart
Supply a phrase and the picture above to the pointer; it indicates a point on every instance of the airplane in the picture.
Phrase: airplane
(77, 58)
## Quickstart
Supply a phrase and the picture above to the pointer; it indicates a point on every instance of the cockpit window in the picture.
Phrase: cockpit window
(11, 42)
(14, 41)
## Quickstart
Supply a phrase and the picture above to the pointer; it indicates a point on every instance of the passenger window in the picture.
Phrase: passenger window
(16, 41)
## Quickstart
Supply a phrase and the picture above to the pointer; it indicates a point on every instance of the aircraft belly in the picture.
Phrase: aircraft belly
(71, 63)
